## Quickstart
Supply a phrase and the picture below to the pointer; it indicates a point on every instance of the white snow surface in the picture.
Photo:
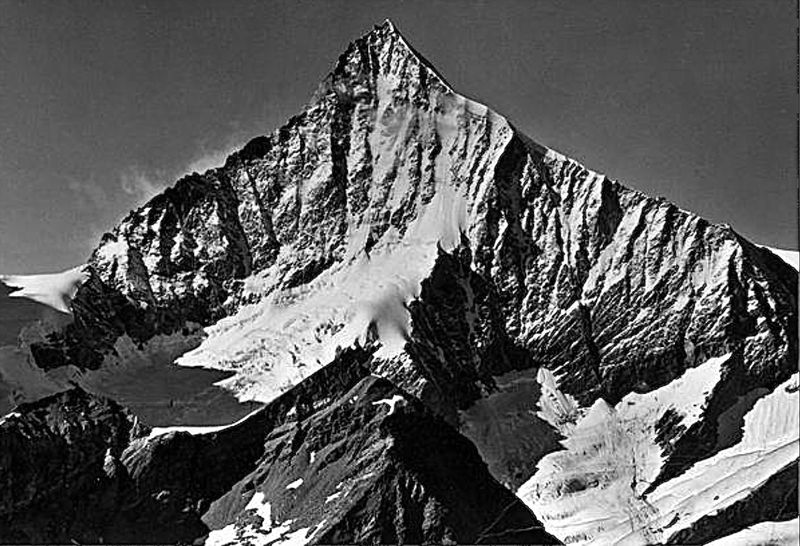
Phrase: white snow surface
(556, 407)
(263, 508)
(9, 415)
(295, 484)
(198, 430)
(332, 497)
(276, 343)
(791, 257)
(770, 442)
(766, 533)
(55, 290)
(390, 402)
(585, 496)
(592, 492)
(245, 531)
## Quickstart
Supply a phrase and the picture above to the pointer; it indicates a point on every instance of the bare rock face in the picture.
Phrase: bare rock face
(59, 467)
(396, 214)
(373, 466)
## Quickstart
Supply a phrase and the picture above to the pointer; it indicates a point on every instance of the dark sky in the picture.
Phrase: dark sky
(102, 103)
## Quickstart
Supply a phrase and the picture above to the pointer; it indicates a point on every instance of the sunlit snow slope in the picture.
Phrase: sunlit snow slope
(598, 491)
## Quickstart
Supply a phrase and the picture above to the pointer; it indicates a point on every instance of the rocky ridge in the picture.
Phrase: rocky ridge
(378, 468)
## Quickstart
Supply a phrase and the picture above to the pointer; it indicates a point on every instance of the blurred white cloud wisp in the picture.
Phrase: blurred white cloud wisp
(137, 183)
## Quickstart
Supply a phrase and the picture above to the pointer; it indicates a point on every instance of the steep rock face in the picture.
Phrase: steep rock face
(393, 211)
(613, 290)
(176, 477)
(168, 263)
(59, 468)
(373, 467)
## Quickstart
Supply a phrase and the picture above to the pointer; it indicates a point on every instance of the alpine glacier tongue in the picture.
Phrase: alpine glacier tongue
(395, 228)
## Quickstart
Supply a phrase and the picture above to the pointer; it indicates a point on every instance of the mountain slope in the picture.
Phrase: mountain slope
(374, 466)
(397, 214)
(789, 256)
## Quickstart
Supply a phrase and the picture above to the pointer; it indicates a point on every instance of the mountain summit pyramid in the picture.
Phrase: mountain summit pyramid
(430, 306)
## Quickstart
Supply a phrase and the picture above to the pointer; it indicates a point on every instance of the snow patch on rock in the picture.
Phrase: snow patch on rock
(390, 402)
(295, 484)
(198, 430)
(245, 531)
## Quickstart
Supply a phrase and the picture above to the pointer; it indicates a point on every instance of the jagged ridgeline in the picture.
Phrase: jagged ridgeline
(450, 328)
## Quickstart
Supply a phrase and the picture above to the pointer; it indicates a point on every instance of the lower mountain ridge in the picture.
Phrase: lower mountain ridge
(396, 319)
(372, 464)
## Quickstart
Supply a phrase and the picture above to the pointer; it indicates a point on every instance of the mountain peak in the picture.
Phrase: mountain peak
(385, 49)
(389, 25)
(399, 225)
